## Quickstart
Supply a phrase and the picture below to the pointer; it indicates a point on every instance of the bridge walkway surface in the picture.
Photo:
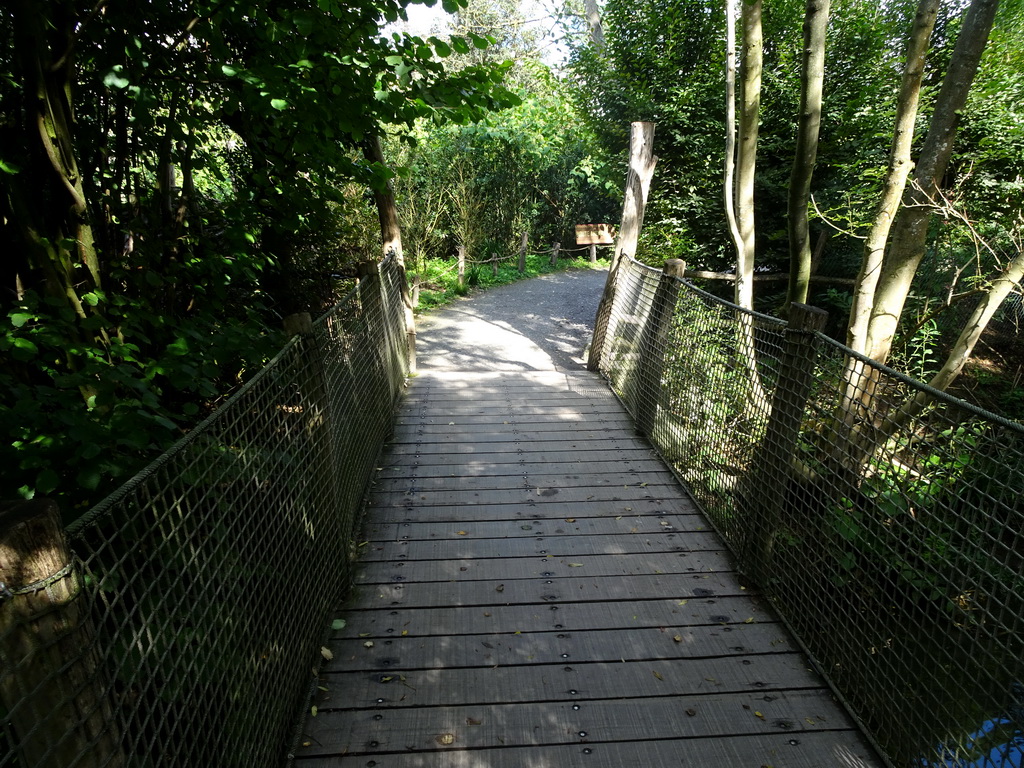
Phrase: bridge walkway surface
(535, 587)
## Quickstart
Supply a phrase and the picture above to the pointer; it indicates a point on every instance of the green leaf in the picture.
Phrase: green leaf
(279, 104)
(115, 79)
(9, 167)
(394, 61)
(228, 70)
(338, 624)
(460, 45)
(89, 478)
(18, 319)
(450, 6)
(47, 481)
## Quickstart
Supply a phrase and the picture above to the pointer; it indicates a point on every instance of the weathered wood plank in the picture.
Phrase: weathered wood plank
(444, 465)
(389, 623)
(553, 548)
(535, 509)
(845, 749)
(489, 569)
(417, 651)
(637, 476)
(550, 591)
(375, 732)
(526, 447)
(681, 676)
(605, 525)
(450, 497)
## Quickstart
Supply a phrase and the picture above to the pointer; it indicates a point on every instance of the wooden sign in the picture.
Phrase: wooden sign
(594, 234)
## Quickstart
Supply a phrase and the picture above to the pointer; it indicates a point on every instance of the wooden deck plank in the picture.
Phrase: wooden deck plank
(535, 509)
(554, 445)
(490, 569)
(457, 496)
(503, 464)
(633, 524)
(601, 721)
(537, 590)
(555, 682)
(843, 749)
(423, 651)
(636, 473)
(556, 549)
(444, 621)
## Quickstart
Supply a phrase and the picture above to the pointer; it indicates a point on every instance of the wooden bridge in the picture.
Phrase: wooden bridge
(537, 590)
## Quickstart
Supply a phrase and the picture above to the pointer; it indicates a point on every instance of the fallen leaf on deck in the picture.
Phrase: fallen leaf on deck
(658, 675)
(445, 739)
(338, 624)
(368, 644)
(313, 710)
(463, 533)
(691, 711)
(678, 638)
(575, 565)
(472, 721)
(759, 714)
(326, 653)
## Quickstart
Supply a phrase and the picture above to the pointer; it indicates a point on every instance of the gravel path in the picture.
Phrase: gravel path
(543, 324)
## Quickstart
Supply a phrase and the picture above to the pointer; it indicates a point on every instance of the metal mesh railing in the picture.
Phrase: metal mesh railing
(884, 520)
(187, 631)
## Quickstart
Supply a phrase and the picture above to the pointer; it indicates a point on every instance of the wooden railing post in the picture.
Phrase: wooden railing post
(462, 266)
(554, 254)
(771, 468)
(652, 346)
(494, 265)
(51, 683)
(593, 253)
(523, 242)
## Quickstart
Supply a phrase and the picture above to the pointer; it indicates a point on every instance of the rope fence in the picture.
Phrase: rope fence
(183, 616)
(883, 519)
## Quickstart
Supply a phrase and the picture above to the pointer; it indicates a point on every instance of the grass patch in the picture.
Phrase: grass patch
(439, 278)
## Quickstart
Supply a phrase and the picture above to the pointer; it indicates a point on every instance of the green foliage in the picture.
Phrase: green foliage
(532, 167)
(214, 181)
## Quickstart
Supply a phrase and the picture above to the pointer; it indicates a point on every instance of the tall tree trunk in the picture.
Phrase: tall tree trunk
(899, 169)
(812, 76)
(642, 162)
(391, 240)
(750, 111)
(729, 172)
(858, 386)
(911, 228)
(594, 20)
(746, 161)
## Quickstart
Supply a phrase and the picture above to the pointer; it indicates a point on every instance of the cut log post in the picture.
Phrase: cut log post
(638, 183)
(54, 690)
(494, 265)
(462, 266)
(652, 346)
(593, 253)
(523, 242)
(771, 468)
(554, 254)
(416, 290)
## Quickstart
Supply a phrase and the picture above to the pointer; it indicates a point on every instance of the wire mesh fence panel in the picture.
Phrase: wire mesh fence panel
(883, 519)
(201, 588)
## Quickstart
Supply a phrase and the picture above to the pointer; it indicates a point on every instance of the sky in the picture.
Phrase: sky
(425, 20)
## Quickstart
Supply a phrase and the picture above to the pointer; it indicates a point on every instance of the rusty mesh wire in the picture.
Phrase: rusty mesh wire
(883, 519)
(202, 586)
